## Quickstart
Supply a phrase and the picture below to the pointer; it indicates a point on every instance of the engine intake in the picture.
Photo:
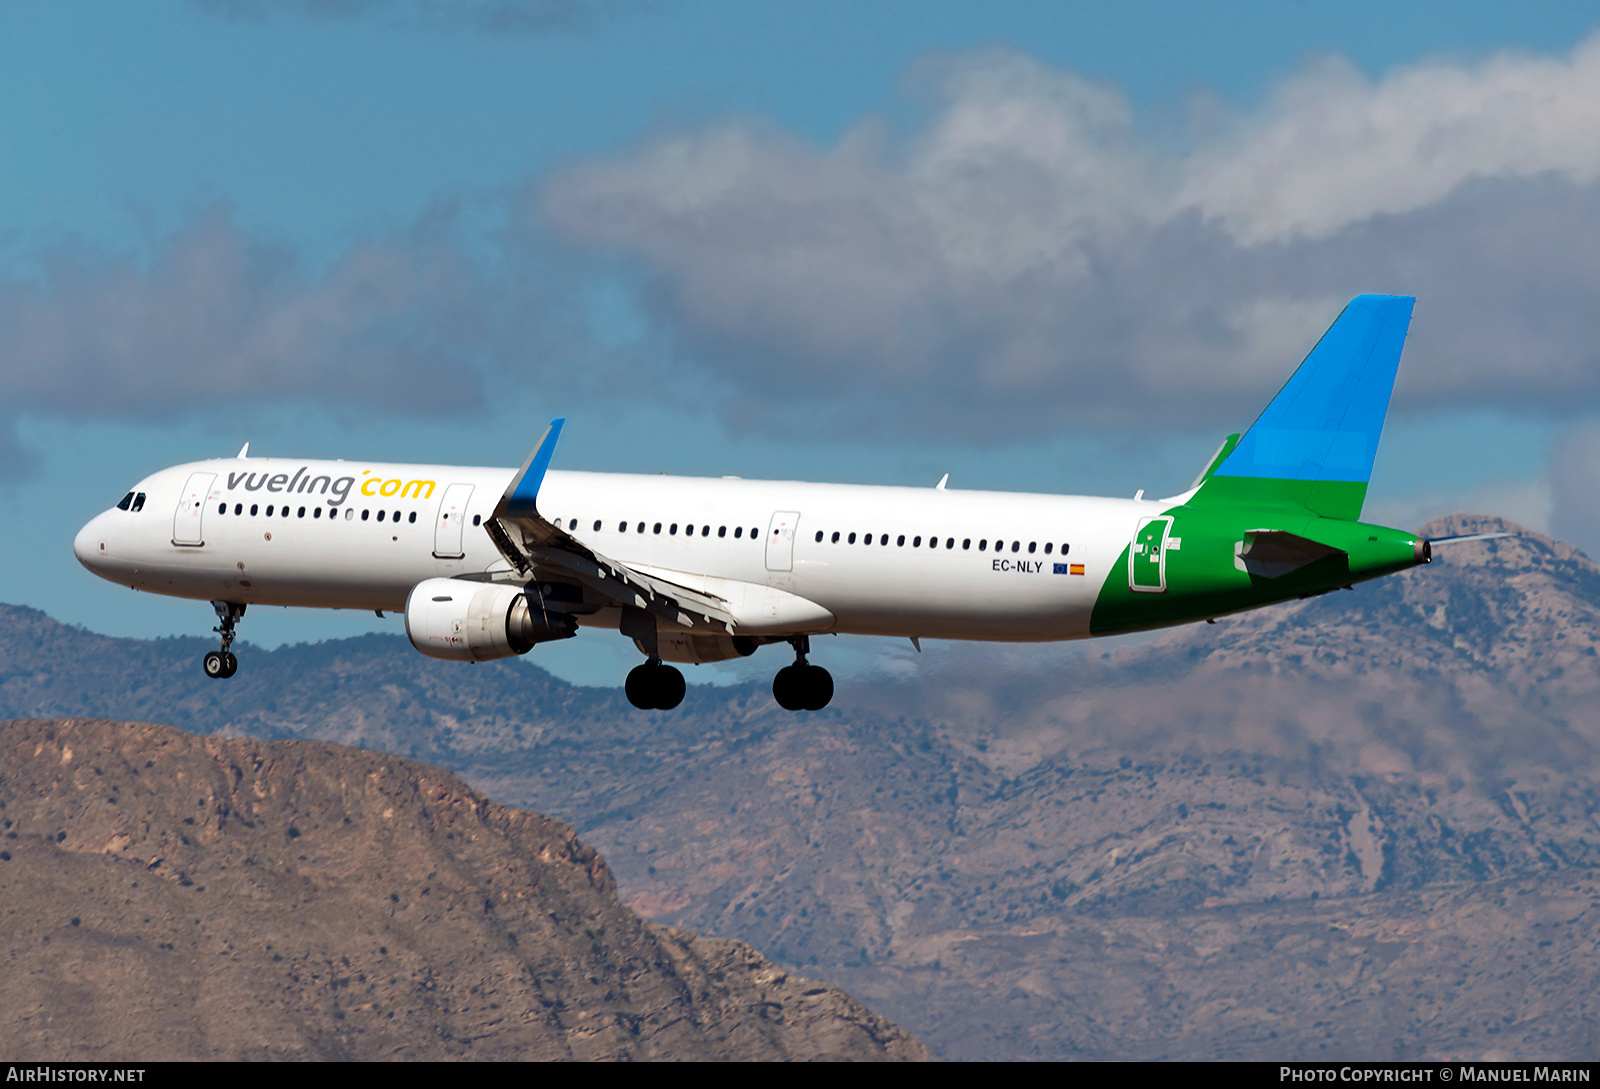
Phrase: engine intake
(463, 621)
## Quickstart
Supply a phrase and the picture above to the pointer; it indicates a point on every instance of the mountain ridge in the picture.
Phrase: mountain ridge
(1004, 838)
(318, 902)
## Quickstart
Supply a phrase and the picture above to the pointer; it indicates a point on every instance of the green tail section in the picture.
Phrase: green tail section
(1273, 515)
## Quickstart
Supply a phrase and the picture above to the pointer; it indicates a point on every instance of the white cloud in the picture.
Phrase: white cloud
(1333, 148)
(1030, 259)
(217, 320)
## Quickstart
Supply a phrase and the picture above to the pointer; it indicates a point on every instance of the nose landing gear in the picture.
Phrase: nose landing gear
(654, 686)
(802, 686)
(221, 664)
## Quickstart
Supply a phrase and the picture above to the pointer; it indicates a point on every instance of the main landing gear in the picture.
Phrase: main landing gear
(802, 686)
(654, 686)
(221, 664)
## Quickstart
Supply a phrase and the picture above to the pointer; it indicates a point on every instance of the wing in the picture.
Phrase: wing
(533, 544)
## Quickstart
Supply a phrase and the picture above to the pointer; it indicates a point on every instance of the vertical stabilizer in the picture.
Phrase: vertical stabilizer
(1314, 445)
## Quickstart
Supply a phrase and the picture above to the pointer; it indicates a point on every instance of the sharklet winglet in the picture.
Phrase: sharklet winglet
(521, 498)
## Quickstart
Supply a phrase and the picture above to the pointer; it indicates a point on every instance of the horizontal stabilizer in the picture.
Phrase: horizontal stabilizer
(1273, 553)
(1464, 538)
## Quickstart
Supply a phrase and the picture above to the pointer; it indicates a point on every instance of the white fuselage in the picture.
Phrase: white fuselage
(360, 535)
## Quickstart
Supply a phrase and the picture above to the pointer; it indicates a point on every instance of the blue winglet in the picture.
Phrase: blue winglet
(520, 500)
(1325, 423)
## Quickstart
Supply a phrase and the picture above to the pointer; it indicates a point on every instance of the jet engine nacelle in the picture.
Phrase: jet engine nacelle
(478, 621)
(683, 647)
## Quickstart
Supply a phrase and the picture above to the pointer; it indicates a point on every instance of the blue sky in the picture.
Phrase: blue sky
(1044, 246)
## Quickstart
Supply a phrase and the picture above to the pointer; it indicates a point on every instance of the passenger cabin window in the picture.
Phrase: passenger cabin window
(413, 517)
(477, 519)
(222, 508)
(253, 509)
(851, 539)
(380, 515)
(363, 513)
(1047, 547)
(738, 531)
(622, 527)
(722, 531)
(819, 536)
(597, 525)
(570, 525)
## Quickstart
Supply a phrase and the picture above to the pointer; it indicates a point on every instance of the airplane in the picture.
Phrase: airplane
(487, 563)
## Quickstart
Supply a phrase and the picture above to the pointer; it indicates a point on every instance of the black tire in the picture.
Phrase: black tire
(670, 688)
(818, 690)
(788, 688)
(230, 664)
(216, 665)
(641, 687)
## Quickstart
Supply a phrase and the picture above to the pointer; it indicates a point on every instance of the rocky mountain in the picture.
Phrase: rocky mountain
(1359, 825)
(167, 896)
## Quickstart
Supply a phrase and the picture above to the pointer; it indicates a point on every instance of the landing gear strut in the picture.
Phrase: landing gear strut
(802, 686)
(221, 664)
(654, 686)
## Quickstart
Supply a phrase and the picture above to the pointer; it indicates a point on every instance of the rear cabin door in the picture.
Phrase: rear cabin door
(452, 522)
(1147, 558)
(780, 540)
(191, 510)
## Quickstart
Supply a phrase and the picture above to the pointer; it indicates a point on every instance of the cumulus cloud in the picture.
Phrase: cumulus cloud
(1030, 258)
(217, 318)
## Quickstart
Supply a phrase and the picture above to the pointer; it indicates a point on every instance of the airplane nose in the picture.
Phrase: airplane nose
(89, 545)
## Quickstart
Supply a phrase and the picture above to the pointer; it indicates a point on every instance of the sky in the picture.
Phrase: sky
(1046, 247)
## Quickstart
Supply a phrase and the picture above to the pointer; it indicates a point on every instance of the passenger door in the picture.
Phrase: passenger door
(451, 522)
(186, 521)
(1147, 557)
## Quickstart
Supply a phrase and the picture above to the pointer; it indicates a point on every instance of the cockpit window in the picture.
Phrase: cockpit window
(138, 503)
(127, 501)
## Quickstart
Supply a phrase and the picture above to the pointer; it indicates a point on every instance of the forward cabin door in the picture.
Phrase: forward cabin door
(1147, 558)
(191, 509)
(451, 522)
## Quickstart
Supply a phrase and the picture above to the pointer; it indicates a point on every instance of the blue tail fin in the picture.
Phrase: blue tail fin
(1315, 443)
